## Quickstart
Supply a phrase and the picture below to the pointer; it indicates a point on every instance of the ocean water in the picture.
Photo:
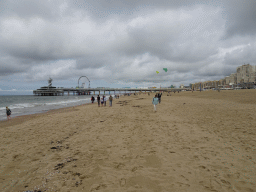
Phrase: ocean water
(30, 104)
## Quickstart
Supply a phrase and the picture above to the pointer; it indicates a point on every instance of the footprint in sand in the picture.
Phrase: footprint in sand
(96, 187)
(184, 177)
(183, 184)
(122, 182)
(225, 182)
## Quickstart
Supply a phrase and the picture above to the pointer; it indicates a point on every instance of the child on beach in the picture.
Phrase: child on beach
(8, 113)
(102, 101)
(105, 101)
(155, 102)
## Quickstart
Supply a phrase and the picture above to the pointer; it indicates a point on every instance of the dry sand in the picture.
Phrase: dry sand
(194, 142)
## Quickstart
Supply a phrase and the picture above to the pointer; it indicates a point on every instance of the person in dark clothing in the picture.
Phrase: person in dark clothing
(159, 98)
(98, 99)
(8, 113)
(92, 99)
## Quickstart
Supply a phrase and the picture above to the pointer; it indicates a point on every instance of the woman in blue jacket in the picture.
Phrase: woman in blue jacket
(155, 101)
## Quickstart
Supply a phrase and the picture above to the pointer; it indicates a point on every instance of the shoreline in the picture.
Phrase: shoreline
(45, 111)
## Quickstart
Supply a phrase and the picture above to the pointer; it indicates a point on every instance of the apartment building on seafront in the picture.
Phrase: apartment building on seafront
(245, 77)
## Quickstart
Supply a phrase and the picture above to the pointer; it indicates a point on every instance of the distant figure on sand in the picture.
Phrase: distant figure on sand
(110, 101)
(155, 102)
(102, 101)
(98, 99)
(8, 113)
(92, 99)
(159, 98)
(105, 101)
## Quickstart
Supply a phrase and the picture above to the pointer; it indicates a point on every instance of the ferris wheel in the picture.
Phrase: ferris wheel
(84, 81)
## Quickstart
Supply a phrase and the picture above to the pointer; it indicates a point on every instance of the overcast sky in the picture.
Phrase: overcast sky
(123, 43)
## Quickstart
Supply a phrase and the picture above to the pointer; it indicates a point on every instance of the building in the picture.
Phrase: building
(245, 75)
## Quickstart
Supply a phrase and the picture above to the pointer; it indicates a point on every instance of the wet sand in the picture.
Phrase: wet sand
(194, 142)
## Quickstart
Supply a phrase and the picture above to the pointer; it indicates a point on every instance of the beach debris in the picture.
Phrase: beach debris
(165, 69)
(33, 191)
(136, 106)
(57, 147)
(157, 72)
(59, 166)
(78, 174)
(78, 183)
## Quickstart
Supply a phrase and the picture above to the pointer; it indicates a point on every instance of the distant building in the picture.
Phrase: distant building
(245, 75)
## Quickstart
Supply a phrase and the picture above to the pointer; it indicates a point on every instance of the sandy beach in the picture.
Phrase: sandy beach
(200, 141)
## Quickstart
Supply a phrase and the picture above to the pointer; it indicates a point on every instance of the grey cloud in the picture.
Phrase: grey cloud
(30, 8)
(241, 18)
(119, 35)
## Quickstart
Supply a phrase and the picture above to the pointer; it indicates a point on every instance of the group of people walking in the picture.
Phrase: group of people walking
(102, 100)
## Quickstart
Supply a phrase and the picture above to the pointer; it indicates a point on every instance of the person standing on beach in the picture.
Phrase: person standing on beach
(105, 101)
(92, 99)
(102, 101)
(8, 113)
(98, 99)
(159, 98)
(110, 101)
(155, 102)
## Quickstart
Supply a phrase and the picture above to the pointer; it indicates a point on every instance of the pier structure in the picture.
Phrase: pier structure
(87, 91)
(60, 91)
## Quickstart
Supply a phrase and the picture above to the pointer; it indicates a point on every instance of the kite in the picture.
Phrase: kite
(157, 72)
(165, 69)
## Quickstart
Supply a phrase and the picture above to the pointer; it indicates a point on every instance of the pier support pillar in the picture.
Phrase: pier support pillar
(93, 92)
(109, 92)
(104, 92)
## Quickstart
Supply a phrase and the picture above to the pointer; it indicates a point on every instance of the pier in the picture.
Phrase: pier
(53, 91)
(87, 91)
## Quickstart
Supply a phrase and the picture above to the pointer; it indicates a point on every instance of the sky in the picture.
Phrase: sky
(119, 43)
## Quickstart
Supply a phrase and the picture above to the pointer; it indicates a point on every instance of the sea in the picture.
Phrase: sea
(30, 104)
